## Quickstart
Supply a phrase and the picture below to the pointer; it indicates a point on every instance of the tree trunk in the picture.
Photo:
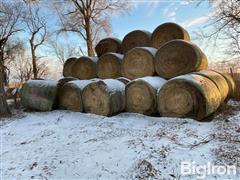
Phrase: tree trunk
(89, 38)
(4, 109)
(34, 64)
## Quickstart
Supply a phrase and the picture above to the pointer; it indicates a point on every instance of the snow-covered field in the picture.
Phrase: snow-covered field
(68, 145)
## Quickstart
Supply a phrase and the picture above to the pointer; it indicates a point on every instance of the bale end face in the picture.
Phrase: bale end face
(191, 96)
(179, 57)
(96, 99)
(70, 98)
(141, 98)
(138, 62)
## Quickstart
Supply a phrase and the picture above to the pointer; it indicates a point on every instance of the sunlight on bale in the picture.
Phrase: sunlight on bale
(178, 57)
(167, 32)
(192, 96)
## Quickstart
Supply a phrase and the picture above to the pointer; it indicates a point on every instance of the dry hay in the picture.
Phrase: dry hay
(139, 62)
(141, 95)
(191, 95)
(108, 45)
(167, 32)
(179, 57)
(137, 38)
(219, 81)
(70, 95)
(67, 67)
(39, 95)
(85, 68)
(105, 97)
(109, 66)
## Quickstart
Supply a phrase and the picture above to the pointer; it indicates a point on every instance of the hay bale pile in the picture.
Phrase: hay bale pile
(159, 73)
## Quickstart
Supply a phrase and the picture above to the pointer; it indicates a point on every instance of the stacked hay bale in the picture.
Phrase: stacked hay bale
(160, 72)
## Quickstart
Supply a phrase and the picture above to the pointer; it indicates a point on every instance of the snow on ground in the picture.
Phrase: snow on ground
(69, 145)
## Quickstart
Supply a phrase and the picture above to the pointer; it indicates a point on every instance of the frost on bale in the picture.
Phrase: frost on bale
(105, 97)
(179, 57)
(85, 68)
(139, 62)
(70, 95)
(137, 38)
(109, 66)
(192, 96)
(39, 95)
(167, 32)
(141, 95)
(108, 45)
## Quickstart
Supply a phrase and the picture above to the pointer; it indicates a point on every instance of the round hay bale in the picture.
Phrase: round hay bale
(219, 81)
(179, 57)
(231, 85)
(70, 95)
(105, 97)
(192, 96)
(39, 95)
(67, 67)
(141, 95)
(109, 66)
(167, 32)
(137, 38)
(60, 84)
(124, 80)
(139, 62)
(108, 45)
(85, 68)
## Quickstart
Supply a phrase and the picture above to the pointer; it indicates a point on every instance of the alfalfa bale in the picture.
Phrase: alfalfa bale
(70, 95)
(39, 95)
(178, 57)
(167, 32)
(105, 97)
(67, 67)
(138, 62)
(85, 68)
(108, 45)
(192, 96)
(109, 66)
(219, 81)
(137, 38)
(141, 95)
(124, 80)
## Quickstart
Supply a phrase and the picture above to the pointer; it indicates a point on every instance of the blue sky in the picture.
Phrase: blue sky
(149, 14)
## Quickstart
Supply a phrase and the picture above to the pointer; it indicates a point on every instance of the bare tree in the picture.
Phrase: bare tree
(88, 18)
(10, 16)
(63, 49)
(37, 28)
(224, 25)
